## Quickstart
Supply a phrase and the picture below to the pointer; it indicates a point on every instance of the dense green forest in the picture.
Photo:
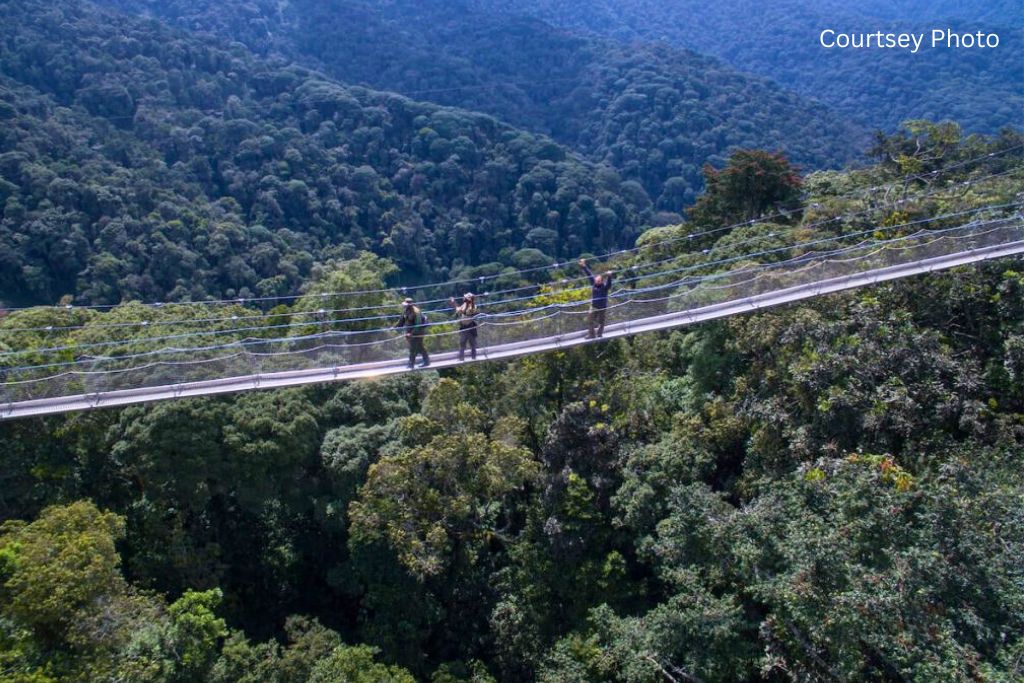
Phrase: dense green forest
(137, 162)
(830, 491)
(653, 113)
(997, 12)
(980, 89)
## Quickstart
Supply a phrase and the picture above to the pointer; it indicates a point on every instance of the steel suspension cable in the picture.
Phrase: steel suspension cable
(621, 293)
(607, 255)
(322, 311)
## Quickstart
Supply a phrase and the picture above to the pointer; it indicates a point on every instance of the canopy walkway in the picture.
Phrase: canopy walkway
(347, 344)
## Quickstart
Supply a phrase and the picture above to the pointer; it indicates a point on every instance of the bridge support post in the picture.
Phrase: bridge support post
(92, 392)
(256, 369)
(481, 334)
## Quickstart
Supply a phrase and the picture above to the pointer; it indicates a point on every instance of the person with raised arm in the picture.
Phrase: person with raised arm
(600, 288)
(466, 314)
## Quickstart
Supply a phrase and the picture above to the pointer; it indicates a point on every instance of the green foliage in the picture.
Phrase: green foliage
(445, 407)
(339, 286)
(68, 612)
(652, 113)
(439, 501)
(575, 659)
(197, 631)
(165, 166)
(880, 88)
(752, 184)
(827, 491)
(19, 656)
(692, 636)
(58, 566)
(458, 672)
(856, 587)
(243, 662)
(308, 645)
(356, 664)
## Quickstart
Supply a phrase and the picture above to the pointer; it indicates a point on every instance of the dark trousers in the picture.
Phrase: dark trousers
(467, 337)
(595, 321)
(417, 347)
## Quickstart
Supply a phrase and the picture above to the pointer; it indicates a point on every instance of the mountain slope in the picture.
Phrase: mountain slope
(982, 90)
(654, 113)
(997, 12)
(140, 162)
(829, 490)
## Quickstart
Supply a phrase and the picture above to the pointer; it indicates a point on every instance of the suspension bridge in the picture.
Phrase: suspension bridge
(654, 292)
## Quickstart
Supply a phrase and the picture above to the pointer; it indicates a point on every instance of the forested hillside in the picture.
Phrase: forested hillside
(653, 113)
(830, 491)
(137, 162)
(1005, 13)
(980, 89)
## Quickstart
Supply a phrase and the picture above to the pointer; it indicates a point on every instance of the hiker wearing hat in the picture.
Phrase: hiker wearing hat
(415, 324)
(465, 313)
(600, 287)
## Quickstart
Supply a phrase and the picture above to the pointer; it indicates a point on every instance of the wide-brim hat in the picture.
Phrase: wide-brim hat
(469, 296)
(407, 302)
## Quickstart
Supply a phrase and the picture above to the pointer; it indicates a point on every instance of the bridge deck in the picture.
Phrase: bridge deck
(61, 404)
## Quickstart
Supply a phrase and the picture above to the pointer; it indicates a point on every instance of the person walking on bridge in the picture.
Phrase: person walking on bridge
(600, 287)
(415, 324)
(466, 313)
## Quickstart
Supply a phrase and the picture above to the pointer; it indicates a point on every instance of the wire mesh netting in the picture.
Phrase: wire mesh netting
(674, 293)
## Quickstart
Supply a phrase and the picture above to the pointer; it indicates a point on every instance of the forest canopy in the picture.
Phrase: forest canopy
(137, 162)
(652, 112)
(980, 89)
(831, 490)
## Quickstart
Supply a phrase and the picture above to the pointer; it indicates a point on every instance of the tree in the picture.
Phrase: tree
(355, 664)
(347, 293)
(694, 636)
(59, 567)
(751, 185)
(918, 147)
(439, 503)
(868, 571)
(197, 632)
(66, 610)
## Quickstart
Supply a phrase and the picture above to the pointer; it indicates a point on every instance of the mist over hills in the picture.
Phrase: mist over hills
(652, 112)
(1005, 13)
(183, 140)
(980, 89)
(826, 490)
(141, 162)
